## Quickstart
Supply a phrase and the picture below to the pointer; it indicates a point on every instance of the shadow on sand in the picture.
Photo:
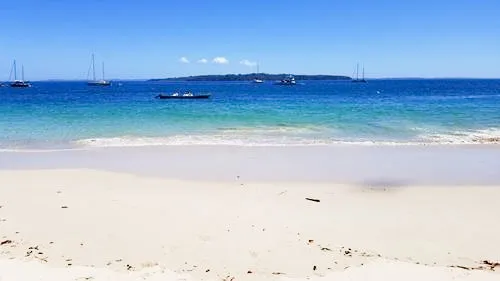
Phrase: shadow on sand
(383, 185)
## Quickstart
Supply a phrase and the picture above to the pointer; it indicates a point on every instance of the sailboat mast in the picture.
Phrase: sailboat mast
(15, 71)
(258, 68)
(22, 72)
(93, 67)
(357, 71)
(363, 72)
(102, 70)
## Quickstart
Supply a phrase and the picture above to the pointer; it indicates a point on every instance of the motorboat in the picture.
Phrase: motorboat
(187, 95)
(288, 81)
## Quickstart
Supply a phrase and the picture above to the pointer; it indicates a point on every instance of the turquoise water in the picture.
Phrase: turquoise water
(72, 114)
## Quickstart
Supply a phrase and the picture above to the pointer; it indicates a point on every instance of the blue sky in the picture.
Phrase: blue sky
(54, 39)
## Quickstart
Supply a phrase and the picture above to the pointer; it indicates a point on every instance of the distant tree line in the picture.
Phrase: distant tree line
(251, 76)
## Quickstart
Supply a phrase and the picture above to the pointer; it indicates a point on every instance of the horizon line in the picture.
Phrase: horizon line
(236, 74)
(378, 78)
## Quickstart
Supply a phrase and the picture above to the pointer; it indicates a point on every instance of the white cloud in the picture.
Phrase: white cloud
(184, 60)
(220, 60)
(248, 63)
(203, 61)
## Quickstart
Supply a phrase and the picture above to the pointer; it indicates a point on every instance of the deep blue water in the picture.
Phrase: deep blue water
(69, 114)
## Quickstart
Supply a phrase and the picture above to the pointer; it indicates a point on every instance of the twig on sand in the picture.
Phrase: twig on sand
(312, 199)
(491, 264)
(462, 267)
(44, 259)
(5, 242)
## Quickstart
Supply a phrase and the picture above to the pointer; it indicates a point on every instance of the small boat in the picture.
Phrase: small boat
(288, 81)
(187, 95)
(256, 79)
(19, 83)
(95, 82)
(99, 83)
(357, 80)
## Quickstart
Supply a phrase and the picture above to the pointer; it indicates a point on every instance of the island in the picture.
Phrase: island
(251, 76)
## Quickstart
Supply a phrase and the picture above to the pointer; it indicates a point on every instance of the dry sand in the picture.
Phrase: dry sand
(95, 225)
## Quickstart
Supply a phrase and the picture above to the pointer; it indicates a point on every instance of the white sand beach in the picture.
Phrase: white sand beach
(66, 221)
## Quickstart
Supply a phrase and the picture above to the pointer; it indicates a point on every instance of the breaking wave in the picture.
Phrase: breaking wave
(486, 136)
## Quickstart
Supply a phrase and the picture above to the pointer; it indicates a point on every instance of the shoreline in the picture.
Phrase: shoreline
(252, 141)
(80, 223)
(37, 149)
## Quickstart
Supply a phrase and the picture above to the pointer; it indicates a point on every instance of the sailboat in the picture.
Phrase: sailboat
(357, 80)
(257, 80)
(95, 82)
(19, 83)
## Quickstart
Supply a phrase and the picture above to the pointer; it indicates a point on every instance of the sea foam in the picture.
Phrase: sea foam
(484, 136)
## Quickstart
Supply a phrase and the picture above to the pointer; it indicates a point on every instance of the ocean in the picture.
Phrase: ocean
(64, 115)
